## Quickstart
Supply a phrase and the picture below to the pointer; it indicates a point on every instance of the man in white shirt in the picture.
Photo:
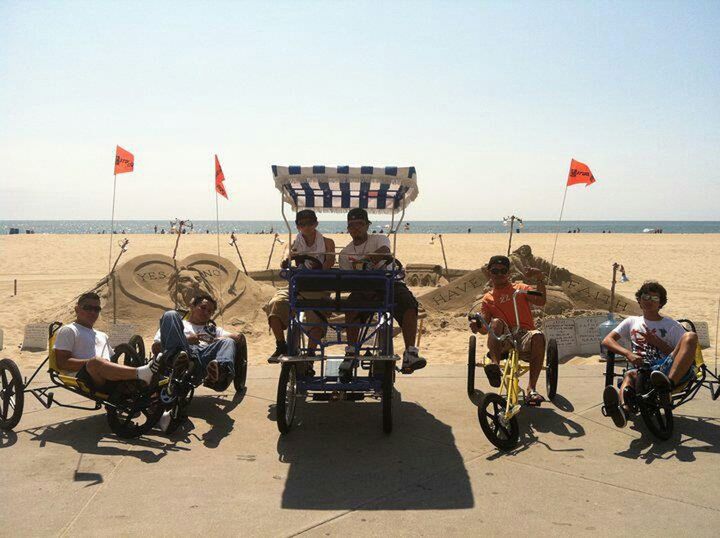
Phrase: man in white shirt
(82, 349)
(316, 252)
(196, 340)
(367, 251)
(658, 341)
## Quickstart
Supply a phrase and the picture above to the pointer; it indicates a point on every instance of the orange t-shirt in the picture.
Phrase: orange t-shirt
(498, 303)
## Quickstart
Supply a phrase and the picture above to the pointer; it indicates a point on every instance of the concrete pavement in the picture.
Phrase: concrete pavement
(229, 472)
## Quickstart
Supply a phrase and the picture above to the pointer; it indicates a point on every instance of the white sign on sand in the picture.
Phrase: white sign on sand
(703, 333)
(36, 337)
(563, 331)
(120, 333)
(588, 336)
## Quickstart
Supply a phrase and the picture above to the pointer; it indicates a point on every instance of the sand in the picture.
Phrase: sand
(53, 269)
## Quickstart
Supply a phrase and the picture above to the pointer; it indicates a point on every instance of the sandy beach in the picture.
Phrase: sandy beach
(52, 270)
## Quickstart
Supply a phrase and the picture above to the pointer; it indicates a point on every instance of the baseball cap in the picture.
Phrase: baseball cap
(499, 260)
(358, 213)
(305, 214)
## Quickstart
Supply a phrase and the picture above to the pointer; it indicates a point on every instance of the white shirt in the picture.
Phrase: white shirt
(667, 329)
(300, 246)
(82, 343)
(356, 256)
(206, 333)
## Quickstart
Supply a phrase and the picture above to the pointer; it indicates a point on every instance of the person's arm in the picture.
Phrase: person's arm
(329, 253)
(65, 361)
(655, 341)
(539, 277)
(612, 343)
(485, 313)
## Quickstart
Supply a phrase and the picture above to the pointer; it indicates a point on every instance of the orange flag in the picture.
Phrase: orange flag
(124, 161)
(579, 174)
(219, 178)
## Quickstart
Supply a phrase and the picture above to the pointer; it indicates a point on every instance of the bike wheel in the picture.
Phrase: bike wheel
(502, 434)
(387, 396)
(472, 344)
(133, 421)
(136, 342)
(12, 397)
(127, 352)
(551, 368)
(241, 364)
(658, 419)
(286, 397)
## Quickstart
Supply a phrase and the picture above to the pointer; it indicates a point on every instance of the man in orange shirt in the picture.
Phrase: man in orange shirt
(497, 309)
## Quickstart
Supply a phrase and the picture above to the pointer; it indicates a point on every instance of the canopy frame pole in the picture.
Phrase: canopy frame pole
(287, 224)
(402, 217)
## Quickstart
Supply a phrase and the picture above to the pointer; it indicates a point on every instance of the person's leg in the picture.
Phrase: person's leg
(278, 313)
(277, 327)
(495, 347)
(218, 359)
(101, 370)
(684, 357)
(172, 333)
(537, 354)
(629, 381)
(409, 327)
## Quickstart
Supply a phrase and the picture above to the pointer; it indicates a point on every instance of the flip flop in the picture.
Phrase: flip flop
(534, 398)
(493, 373)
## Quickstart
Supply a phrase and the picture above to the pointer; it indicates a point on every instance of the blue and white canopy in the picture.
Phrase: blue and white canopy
(328, 189)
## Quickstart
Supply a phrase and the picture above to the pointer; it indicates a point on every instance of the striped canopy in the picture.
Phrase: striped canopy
(328, 189)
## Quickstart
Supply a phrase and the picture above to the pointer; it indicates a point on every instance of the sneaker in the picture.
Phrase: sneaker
(660, 381)
(412, 361)
(280, 349)
(157, 369)
(345, 370)
(220, 378)
(213, 371)
(612, 408)
(181, 364)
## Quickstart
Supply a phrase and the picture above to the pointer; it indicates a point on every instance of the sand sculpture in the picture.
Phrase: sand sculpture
(566, 291)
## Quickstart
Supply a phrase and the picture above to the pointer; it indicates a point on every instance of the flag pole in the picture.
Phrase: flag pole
(217, 229)
(112, 224)
(557, 232)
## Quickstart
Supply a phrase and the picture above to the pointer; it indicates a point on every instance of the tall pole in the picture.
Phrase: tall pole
(512, 225)
(442, 246)
(112, 224)
(557, 233)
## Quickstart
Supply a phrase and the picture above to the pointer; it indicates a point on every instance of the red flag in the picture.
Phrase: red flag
(579, 174)
(219, 178)
(124, 161)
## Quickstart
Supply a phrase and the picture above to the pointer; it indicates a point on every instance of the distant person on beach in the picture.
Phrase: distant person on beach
(156, 228)
(497, 309)
(314, 251)
(469, 230)
(655, 340)
(198, 344)
(162, 231)
(371, 252)
(85, 351)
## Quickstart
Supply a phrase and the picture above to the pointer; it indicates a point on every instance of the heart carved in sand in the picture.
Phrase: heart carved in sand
(154, 280)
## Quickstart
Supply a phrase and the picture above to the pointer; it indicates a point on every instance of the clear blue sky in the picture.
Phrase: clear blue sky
(489, 100)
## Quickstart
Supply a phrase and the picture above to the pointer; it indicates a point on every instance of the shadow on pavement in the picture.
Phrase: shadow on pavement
(90, 435)
(338, 458)
(213, 409)
(7, 438)
(687, 430)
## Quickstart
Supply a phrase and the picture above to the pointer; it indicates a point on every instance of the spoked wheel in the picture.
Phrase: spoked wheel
(286, 397)
(12, 397)
(138, 346)
(133, 421)
(241, 364)
(551, 368)
(503, 434)
(471, 366)
(658, 419)
(387, 395)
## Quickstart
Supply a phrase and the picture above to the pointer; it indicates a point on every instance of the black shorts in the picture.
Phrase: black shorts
(109, 387)
(404, 301)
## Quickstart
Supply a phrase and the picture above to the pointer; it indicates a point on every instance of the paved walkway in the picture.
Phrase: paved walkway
(336, 474)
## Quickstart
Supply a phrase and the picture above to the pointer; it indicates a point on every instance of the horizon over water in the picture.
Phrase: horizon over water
(337, 226)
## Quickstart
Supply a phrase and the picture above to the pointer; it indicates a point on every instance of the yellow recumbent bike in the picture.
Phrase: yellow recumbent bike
(497, 412)
(131, 410)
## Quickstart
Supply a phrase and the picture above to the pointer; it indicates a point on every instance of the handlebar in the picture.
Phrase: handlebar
(479, 319)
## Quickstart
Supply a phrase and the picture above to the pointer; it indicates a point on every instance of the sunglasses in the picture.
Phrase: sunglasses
(356, 223)
(648, 297)
(304, 223)
(91, 308)
(497, 271)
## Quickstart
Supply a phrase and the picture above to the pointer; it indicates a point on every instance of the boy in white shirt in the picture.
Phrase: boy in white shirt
(658, 341)
(82, 349)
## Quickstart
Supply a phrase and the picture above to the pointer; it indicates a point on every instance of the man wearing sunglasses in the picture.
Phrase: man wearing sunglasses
(82, 349)
(656, 340)
(368, 251)
(314, 251)
(497, 309)
(196, 340)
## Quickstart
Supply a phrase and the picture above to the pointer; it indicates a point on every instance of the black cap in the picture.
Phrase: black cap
(305, 214)
(499, 260)
(358, 213)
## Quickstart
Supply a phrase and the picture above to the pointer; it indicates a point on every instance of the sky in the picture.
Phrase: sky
(488, 100)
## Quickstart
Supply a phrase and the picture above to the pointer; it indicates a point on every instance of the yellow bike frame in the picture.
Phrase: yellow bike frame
(510, 385)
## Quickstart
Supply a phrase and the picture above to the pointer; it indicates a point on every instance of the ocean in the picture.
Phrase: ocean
(336, 226)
